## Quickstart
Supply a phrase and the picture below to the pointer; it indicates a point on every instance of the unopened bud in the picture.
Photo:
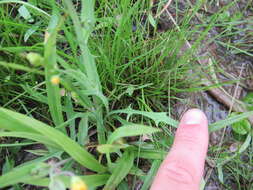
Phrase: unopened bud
(55, 80)
(78, 184)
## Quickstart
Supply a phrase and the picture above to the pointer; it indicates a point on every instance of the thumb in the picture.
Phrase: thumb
(183, 167)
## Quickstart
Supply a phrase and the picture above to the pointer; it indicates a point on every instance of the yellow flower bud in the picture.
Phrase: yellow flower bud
(78, 184)
(55, 80)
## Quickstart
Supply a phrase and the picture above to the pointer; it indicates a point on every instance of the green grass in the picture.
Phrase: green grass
(119, 78)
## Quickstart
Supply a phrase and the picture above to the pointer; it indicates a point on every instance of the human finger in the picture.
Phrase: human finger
(183, 167)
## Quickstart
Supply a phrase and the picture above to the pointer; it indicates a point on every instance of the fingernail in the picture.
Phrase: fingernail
(194, 117)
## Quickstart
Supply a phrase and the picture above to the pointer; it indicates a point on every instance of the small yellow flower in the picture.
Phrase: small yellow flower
(55, 80)
(78, 184)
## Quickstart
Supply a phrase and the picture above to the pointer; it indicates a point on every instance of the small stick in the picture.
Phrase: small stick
(164, 8)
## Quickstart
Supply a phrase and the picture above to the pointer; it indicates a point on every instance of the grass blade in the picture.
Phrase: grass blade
(131, 130)
(53, 91)
(70, 113)
(32, 136)
(88, 87)
(83, 29)
(13, 121)
(230, 120)
(20, 67)
(88, 65)
(82, 135)
(33, 174)
(22, 173)
(124, 165)
(151, 174)
(151, 154)
(92, 181)
(17, 144)
(110, 148)
(26, 4)
(157, 117)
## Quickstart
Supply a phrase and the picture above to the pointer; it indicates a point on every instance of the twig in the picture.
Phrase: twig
(236, 88)
(164, 8)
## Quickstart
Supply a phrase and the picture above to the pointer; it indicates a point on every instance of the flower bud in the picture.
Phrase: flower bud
(78, 184)
(55, 80)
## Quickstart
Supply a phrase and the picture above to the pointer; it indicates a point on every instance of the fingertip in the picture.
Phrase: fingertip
(194, 117)
(187, 156)
(192, 132)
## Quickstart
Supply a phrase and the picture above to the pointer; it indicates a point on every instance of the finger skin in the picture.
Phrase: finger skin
(183, 167)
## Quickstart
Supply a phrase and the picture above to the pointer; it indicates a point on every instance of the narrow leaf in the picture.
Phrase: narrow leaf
(157, 117)
(124, 165)
(64, 142)
(23, 11)
(83, 128)
(130, 130)
(17, 144)
(53, 91)
(22, 173)
(92, 181)
(246, 144)
(152, 20)
(32, 136)
(20, 67)
(151, 174)
(151, 154)
(26, 4)
(220, 174)
(30, 32)
(110, 148)
(230, 120)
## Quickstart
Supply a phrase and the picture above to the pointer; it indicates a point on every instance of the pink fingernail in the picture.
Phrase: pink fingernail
(193, 117)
